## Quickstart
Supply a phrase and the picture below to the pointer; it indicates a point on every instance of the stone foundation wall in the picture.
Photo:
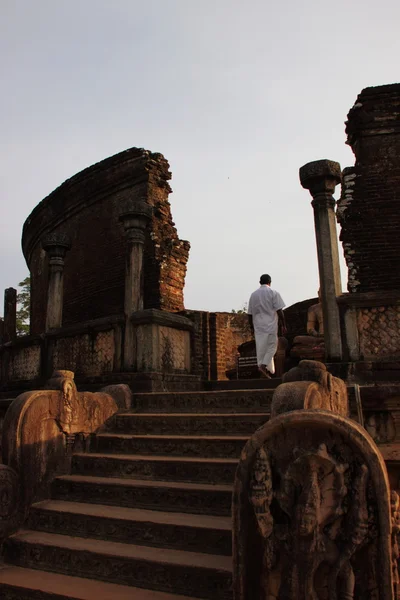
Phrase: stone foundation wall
(21, 362)
(88, 355)
(92, 350)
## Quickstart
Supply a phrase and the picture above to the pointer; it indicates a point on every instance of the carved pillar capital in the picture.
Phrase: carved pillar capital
(56, 245)
(321, 177)
(135, 216)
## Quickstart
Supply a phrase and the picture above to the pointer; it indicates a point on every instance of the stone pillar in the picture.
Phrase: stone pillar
(320, 178)
(135, 218)
(56, 245)
(10, 315)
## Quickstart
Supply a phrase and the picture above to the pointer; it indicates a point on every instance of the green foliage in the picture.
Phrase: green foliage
(241, 311)
(23, 306)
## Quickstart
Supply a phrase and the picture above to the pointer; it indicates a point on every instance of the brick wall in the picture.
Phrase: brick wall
(368, 210)
(215, 341)
(87, 208)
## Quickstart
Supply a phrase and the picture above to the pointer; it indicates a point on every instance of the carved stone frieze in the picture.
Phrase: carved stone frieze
(221, 471)
(194, 539)
(165, 445)
(212, 501)
(196, 425)
(126, 570)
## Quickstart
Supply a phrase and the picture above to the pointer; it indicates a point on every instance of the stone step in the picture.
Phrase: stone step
(189, 423)
(171, 468)
(194, 533)
(198, 498)
(204, 401)
(176, 445)
(173, 571)
(243, 384)
(17, 583)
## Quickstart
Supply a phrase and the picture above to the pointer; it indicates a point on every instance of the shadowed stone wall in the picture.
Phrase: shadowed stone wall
(368, 210)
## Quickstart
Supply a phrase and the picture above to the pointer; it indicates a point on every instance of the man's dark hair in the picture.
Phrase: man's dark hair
(265, 279)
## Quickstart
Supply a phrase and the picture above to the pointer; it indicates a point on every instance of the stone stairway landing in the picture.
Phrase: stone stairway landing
(148, 511)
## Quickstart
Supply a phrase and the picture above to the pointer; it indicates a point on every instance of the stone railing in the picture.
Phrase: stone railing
(40, 430)
(91, 350)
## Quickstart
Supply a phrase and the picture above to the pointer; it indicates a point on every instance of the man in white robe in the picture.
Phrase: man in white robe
(265, 312)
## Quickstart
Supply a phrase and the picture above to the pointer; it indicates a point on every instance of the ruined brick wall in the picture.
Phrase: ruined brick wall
(86, 208)
(368, 210)
(166, 255)
(215, 340)
(232, 330)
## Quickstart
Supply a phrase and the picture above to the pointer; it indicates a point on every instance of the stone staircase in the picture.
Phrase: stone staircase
(146, 514)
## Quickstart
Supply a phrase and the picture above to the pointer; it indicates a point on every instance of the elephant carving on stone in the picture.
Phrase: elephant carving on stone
(307, 386)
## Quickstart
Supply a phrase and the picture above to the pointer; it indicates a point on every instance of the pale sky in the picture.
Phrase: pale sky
(237, 95)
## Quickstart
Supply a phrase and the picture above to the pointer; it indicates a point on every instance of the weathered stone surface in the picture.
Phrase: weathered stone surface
(40, 425)
(10, 308)
(311, 512)
(320, 175)
(308, 386)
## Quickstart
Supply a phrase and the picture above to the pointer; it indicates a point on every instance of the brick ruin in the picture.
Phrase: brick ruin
(86, 210)
(316, 505)
(369, 205)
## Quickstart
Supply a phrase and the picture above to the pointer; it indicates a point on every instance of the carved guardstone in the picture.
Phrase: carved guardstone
(311, 503)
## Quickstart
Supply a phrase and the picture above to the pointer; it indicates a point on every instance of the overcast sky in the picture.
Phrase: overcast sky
(237, 95)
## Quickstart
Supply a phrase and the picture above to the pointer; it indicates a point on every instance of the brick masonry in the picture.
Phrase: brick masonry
(86, 208)
(368, 210)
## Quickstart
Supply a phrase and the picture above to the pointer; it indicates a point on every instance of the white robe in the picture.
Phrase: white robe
(266, 346)
(263, 306)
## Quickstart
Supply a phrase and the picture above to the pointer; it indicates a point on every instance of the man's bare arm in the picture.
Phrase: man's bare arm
(281, 322)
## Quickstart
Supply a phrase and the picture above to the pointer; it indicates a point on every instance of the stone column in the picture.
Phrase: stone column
(135, 218)
(10, 315)
(320, 178)
(56, 245)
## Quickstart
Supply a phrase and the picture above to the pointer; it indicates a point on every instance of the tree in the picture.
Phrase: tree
(241, 311)
(23, 306)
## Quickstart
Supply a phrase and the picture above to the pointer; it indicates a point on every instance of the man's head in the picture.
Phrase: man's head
(265, 280)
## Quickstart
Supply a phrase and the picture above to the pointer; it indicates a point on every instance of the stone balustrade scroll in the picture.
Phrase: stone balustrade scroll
(41, 427)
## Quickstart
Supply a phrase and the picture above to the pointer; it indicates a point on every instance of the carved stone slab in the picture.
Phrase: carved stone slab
(311, 510)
